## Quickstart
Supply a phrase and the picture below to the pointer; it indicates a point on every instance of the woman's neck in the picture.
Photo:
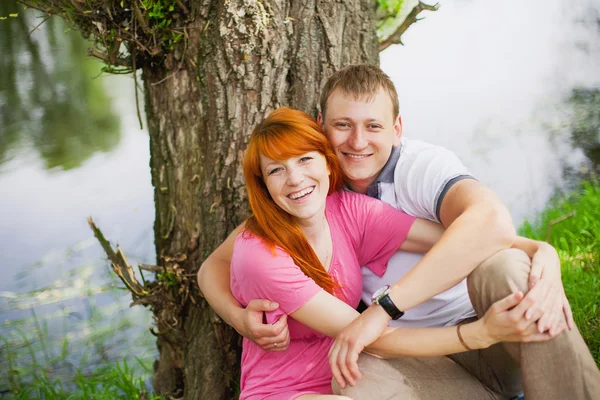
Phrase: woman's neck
(314, 227)
(319, 237)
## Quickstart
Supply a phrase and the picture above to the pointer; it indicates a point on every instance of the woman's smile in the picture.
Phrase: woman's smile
(300, 195)
(298, 185)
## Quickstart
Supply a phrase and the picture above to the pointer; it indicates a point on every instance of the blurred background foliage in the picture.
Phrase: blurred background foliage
(48, 103)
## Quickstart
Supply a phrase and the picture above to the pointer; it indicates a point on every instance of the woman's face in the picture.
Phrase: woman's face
(298, 185)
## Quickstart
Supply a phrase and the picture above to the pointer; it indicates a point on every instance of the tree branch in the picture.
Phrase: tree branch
(395, 38)
(36, 7)
(123, 62)
(119, 263)
(556, 221)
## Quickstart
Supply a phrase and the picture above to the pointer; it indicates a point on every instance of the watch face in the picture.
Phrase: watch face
(380, 292)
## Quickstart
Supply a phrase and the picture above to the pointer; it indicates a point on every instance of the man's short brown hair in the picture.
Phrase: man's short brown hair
(360, 81)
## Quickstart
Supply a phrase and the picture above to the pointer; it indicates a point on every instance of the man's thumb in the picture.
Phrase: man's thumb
(262, 305)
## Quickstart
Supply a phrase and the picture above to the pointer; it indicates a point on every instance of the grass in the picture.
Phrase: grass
(75, 338)
(571, 223)
(113, 381)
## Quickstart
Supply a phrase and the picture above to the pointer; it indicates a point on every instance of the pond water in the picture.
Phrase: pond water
(494, 81)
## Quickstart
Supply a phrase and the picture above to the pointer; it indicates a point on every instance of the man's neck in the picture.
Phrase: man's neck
(360, 186)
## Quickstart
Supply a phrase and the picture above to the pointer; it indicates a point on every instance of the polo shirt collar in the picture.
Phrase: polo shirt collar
(387, 173)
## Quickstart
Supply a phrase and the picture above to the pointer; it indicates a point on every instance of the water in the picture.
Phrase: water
(490, 80)
(70, 147)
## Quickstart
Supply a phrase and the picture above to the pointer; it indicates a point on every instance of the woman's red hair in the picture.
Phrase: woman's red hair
(287, 133)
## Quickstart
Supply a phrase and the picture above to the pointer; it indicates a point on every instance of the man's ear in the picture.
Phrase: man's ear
(320, 119)
(397, 130)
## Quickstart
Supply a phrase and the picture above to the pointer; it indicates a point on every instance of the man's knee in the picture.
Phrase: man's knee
(380, 381)
(500, 275)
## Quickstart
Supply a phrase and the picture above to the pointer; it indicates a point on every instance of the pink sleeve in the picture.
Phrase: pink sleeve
(261, 273)
(380, 230)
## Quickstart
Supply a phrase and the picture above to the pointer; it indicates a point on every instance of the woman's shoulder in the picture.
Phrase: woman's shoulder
(249, 248)
(345, 196)
(348, 202)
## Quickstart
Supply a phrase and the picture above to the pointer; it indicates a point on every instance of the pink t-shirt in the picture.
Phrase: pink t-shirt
(364, 231)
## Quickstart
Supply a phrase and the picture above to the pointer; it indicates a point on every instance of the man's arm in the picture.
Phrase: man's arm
(477, 226)
(213, 279)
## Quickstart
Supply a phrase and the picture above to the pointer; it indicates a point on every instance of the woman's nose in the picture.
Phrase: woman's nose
(295, 177)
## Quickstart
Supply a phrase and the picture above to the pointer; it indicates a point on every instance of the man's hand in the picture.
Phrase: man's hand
(343, 355)
(546, 289)
(275, 337)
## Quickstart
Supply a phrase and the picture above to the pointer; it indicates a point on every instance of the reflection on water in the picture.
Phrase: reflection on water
(75, 324)
(70, 147)
(48, 103)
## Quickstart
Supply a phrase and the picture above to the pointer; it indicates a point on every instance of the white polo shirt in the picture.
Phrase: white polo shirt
(415, 180)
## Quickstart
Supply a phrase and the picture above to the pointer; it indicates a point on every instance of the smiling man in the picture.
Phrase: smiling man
(470, 268)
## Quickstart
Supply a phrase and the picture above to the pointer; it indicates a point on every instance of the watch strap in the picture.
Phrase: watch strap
(389, 306)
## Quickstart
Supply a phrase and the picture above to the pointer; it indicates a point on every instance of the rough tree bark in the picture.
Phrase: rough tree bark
(211, 70)
(248, 57)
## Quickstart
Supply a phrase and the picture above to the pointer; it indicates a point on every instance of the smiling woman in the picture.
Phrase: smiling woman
(298, 185)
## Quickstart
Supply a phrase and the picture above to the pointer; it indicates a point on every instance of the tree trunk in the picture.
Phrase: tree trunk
(248, 57)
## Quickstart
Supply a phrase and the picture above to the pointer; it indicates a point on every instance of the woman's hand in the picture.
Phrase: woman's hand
(545, 268)
(505, 321)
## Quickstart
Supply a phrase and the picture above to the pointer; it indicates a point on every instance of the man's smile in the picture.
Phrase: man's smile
(356, 156)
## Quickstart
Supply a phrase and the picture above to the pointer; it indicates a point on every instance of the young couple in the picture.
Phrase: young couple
(300, 255)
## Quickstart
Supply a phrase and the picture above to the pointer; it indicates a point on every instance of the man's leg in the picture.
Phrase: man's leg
(495, 368)
(432, 378)
(561, 368)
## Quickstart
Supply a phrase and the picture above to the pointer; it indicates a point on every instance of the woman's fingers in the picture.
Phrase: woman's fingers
(352, 364)
(508, 302)
(536, 272)
(568, 312)
(333, 363)
(536, 297)
(342, 355)
(546, 309)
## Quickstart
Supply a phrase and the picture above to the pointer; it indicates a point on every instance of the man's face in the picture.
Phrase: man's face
(362, 133)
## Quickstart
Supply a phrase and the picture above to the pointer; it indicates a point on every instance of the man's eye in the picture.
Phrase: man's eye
(374, 126)
(342, 125)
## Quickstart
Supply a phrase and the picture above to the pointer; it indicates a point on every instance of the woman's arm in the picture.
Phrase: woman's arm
(213, 279)
(505, 321)
(329, 315)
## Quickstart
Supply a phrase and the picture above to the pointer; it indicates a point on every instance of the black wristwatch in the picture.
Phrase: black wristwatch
(382, 297)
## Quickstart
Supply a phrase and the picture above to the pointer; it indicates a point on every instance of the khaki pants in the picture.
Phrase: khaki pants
(561, 368)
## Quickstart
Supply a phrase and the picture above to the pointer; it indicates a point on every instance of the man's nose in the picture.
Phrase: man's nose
(358, 139)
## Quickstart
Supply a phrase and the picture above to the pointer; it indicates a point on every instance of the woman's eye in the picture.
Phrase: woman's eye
(274, 171)
(305, 159)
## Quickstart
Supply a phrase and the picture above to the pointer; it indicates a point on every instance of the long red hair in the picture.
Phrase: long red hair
(287, 133)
